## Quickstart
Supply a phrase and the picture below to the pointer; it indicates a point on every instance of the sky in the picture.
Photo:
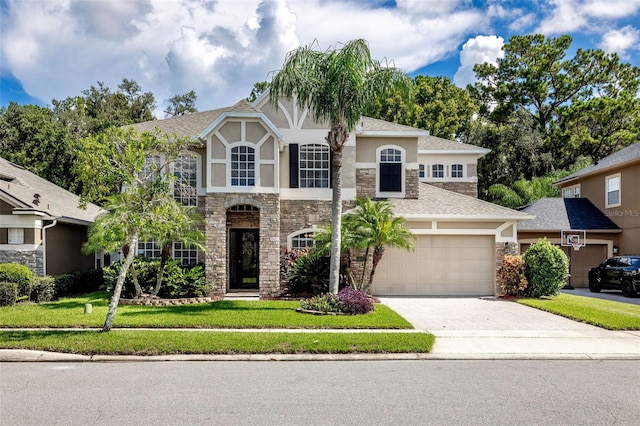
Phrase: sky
(54, 49)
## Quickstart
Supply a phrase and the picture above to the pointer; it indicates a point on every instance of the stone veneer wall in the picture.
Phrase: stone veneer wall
(216, 263)
(366, 183)
(465, 188)
(31, 258)
(300, 214)
(501, 252)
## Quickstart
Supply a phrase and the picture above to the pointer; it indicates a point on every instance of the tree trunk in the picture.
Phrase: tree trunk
(361, 281)
(164, 258)
(337, 137)
(377, 257)
(134, 276)
(115, 299)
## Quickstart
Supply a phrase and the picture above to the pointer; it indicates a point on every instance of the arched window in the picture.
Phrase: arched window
(243, 166)
(390, 170)
(301, 239)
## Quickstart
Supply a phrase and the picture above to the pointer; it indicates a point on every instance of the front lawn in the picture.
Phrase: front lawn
(156, 342)
(602, 313)
(69, 312)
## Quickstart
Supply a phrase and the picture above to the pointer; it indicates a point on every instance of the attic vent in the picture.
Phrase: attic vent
(7, 178)
(36, 199)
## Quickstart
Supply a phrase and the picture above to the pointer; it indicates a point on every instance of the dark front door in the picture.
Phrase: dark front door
(243, 259)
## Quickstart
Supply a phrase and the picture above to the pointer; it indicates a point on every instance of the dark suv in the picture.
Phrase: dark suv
(617, 273)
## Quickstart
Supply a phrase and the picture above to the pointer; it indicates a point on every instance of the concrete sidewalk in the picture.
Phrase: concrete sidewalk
(465, 328)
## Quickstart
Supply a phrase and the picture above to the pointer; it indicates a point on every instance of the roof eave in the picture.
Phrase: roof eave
(466, 218)
(232, 114)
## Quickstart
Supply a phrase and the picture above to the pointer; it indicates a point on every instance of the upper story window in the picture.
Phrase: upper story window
(243, 166)
(314, 166)
(456, 171)
(571, 192)
(185, 186)
(390, 170)
(421, 172)
(612, 190)
(437, 171)
(16, 236)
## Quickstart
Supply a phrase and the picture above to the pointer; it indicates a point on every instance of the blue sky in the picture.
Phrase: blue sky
(52, 49)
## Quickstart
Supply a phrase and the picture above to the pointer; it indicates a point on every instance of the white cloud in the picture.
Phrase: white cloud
(590, 15)
(611, 8)
(566, 16)
(477, 50)
(522, 23)
(620, 41)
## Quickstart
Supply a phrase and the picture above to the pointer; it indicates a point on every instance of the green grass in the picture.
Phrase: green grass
(223, 314)
(602, 313)
(155, 342)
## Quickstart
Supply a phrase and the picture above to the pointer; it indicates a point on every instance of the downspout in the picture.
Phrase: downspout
(44, 246)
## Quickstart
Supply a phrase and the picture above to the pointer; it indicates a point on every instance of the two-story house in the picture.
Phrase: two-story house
(262, 181)
(603, 200)
(41, 225)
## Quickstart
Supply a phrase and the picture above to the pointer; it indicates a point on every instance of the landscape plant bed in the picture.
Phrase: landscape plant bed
(69, 312)
(160, 342)
(602, 313)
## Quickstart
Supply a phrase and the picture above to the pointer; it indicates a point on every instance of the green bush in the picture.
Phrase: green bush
(547, 268)
(43, 289)
(178, 281)
(309, 274)
(18, 274)
(512, 275)
(8, 293)
(326, 302)
(79, 282)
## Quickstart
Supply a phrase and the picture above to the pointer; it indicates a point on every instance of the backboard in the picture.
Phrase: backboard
(575, 238)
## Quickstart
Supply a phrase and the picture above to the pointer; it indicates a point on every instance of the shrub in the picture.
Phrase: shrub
(43, 289)
(512, 275)
(8, 293)
(18, 274)
(547, 268)
(355, 301)
(326, 302)
(309, 273)
(177, 280)
(78, 282)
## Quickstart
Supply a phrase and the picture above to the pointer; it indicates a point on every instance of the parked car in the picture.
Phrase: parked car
(617, 273)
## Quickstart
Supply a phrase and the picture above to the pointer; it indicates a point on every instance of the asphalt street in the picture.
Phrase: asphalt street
(321, 393)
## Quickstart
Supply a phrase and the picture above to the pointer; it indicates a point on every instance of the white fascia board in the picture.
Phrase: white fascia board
(393, 133)
(12, 200)
(464, 218)
(479, 151)
(74, 221)
(231, 114)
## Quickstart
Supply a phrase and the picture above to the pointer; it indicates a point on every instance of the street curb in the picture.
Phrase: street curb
(21, 355)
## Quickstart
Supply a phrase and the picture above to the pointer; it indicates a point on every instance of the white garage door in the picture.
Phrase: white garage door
(441, 265)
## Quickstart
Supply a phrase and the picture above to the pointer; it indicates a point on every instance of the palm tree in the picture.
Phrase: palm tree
(374, 227)
(337, 86)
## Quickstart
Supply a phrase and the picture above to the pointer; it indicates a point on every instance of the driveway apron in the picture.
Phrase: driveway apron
(475, 326)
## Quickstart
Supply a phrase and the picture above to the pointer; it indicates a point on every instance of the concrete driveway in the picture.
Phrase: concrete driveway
(614, 295)
(481, 326)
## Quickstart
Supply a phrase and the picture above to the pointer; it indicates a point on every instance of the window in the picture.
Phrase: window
(571, 192)
(421, 173)
(16, 236)
(151, 167)
(613, 190)
(437, 171)
(390, 170)
(243, 164)
(149, 249)
(186, 253)
(301, 241)
(185, 186)
(314, 166)
(456, 170)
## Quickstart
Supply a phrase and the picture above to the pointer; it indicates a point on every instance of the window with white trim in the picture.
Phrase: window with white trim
(185, 186)
(16, 236)
(151, 167)
(456, 171)
(314, 166)
(149, 249)
(302, 241)
(421, 172)
(612, 190)
(437, 171)
(571, 192)
(185, 253)
(243, 166)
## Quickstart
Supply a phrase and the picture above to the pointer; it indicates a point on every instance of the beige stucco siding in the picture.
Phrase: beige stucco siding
(367, 148)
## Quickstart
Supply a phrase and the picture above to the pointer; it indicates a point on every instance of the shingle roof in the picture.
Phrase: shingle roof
(374, 126)
(433, 143)
(625, 155)
(185, 126)
(438, 203)
(565, 213)
(19, 186)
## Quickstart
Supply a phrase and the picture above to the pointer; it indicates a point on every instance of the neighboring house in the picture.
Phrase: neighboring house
(602, 199)
(41, 225)
(262, 181)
